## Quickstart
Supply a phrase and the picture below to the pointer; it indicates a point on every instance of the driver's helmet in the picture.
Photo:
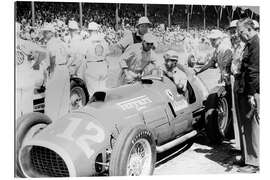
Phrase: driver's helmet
(171, 55)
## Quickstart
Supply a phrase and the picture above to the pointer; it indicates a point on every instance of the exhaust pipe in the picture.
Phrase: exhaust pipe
(175, 142)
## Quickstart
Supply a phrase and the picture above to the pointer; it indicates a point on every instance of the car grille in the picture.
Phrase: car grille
(47, 162)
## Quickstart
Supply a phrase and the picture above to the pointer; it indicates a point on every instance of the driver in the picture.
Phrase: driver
(173, 71)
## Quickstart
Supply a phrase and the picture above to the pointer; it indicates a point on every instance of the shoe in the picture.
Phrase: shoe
(238, 161)
(248, 169)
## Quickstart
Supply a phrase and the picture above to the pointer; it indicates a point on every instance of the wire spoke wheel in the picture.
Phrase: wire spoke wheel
(223, 115)
(139, 159)
(77, 98)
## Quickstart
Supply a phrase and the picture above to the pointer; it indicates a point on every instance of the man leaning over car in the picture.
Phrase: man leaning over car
(138, 59)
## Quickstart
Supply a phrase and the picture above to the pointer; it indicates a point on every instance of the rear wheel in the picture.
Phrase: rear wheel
(211, 126)
(78, 95)
(217, 119)
(134, 153)
(223, 116)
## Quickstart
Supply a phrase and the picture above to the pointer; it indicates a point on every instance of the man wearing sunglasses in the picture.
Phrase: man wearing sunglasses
(138, 59)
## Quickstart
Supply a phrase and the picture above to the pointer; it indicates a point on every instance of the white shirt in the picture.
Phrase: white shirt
(57, 48)
(95, 48)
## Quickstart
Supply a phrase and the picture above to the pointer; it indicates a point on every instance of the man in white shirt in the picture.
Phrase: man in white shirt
(94, 69)
(57, 94)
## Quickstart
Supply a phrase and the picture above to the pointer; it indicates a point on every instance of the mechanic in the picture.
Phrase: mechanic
(136, 37)
(222, 55)
(138, 59)
(57, 94)
(248, 96)
(174, 72)
(94, 70)
(29, 74)
(74, 44)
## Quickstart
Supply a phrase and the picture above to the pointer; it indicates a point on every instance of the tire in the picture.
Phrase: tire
(211, 126)
(25, 124)
(78, 94)
(218, 119)
(224, 117)
(123, 155)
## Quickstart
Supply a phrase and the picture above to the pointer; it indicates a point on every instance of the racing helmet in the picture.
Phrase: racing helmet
(171, 55)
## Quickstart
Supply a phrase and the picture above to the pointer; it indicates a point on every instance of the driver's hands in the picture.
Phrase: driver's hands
(196, 72)
(131, 76)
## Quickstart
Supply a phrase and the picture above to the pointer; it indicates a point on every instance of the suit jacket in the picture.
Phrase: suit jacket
(249, 78)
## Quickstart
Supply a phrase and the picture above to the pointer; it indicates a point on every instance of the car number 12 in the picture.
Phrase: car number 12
(82, 140)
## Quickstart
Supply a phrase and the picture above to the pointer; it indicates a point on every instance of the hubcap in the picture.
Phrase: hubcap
(139, 159)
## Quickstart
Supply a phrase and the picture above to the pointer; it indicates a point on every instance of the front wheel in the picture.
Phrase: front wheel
(28, 126)
(134, 153)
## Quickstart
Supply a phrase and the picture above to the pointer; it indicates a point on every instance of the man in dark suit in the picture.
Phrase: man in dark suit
(248, 96)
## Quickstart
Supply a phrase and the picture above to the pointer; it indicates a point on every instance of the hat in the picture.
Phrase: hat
(143, 20)
(149, 38)
(215, 34)
(233, 24)
(73, 25)
(256, 24)
(48, 27)
(172, 55)
(93, 26)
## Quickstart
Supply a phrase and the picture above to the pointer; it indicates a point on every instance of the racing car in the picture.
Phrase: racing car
(120, 130)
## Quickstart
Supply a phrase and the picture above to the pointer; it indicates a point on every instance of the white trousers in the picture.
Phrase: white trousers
(95, 76)
(57, 94)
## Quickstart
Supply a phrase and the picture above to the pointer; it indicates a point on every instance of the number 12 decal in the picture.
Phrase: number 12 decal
(82, 140)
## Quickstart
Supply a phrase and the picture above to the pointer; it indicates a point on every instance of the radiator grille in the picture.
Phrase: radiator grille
(47, 162)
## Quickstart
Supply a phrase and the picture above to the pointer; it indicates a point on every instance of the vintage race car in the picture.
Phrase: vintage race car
(121, 130)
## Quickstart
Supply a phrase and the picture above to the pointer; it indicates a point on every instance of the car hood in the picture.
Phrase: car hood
(77, 138)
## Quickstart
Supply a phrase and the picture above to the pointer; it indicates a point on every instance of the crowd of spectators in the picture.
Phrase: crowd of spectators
(60, 13)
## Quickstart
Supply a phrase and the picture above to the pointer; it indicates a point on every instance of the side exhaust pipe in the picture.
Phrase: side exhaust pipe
(175, 142)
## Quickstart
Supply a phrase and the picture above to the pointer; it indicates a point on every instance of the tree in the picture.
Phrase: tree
(204, 20)
(218, 10)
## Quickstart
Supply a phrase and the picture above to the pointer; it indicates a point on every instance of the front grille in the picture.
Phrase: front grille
(48, 163)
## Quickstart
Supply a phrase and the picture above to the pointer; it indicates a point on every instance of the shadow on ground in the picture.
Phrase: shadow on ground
(223, 154)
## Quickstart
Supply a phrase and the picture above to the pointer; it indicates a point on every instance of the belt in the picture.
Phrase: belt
(61, 64)
(96, 61)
